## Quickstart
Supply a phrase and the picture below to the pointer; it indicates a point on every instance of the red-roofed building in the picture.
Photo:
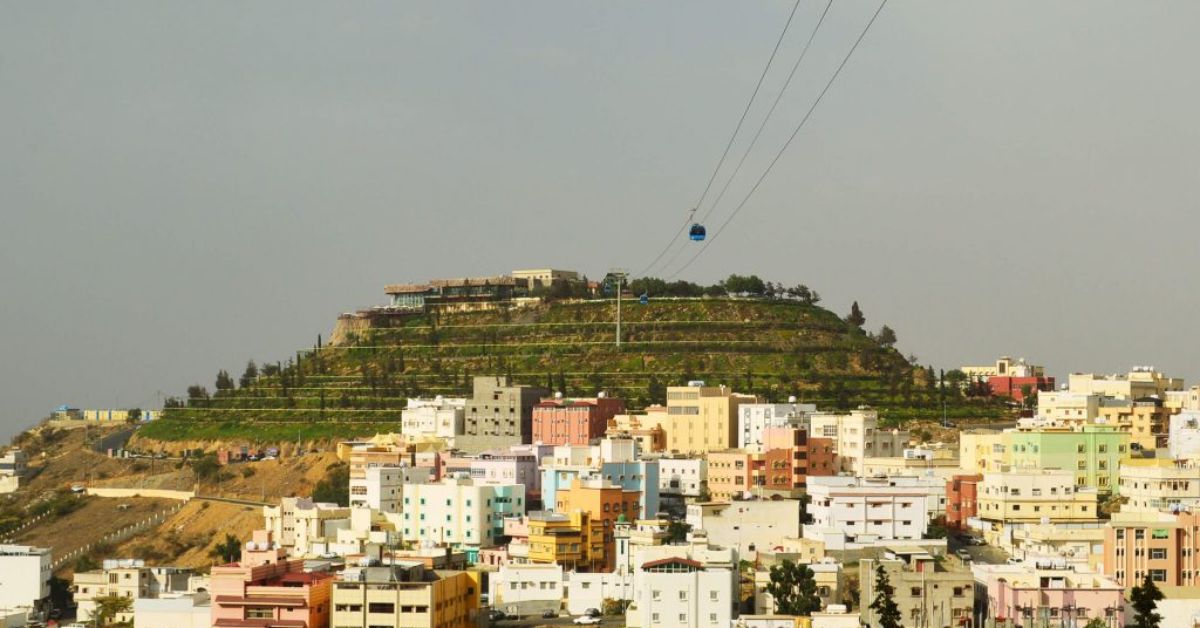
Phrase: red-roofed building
(1006, 386)
(266, 590)
(573, 421)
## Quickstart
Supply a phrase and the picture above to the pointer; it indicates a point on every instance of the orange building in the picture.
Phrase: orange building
(730, 473)
(1163, 545)
(822, 459)
(603, 501)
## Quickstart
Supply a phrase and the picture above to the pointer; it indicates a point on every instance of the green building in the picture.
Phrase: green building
(1093, 452)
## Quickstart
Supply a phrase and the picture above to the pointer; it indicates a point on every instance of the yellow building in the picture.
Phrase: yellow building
(702, 418)
(574, 540)
(1026, 496)
(981, 451)
(1144, 420)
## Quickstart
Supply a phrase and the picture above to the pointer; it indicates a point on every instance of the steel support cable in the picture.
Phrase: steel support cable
(784, 148)
(736, 129)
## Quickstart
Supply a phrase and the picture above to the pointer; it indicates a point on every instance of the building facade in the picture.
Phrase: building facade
(574, 421)
(702, 418)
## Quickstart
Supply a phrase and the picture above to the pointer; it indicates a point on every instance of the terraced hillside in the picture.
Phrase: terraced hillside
(774, 348)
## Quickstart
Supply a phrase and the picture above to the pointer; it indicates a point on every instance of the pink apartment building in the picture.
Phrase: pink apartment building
(1051, 594)
(573, 421)
(266, 590)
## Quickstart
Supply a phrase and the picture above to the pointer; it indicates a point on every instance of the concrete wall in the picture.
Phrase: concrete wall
(100, 491)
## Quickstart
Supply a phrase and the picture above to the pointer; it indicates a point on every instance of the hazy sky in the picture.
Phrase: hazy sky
(185, 186)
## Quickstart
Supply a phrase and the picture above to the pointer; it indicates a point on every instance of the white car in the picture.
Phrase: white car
(586, 621)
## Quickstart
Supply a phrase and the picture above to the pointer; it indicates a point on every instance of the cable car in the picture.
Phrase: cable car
(697, 232)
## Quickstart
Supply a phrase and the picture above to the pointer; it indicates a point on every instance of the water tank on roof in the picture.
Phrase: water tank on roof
(558, 394)
(251, 545)
(792, 399)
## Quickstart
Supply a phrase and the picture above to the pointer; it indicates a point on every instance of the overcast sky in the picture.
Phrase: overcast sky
(185, 186)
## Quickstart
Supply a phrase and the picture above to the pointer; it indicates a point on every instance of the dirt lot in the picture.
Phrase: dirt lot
(188, 536)
(96, 518)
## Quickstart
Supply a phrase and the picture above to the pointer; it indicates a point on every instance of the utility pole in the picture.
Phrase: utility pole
(621, 275)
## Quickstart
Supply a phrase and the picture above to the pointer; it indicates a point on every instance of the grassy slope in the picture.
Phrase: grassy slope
(772, 348)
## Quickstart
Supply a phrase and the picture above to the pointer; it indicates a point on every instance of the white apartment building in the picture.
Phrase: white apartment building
(857, 436)
(192, 610)
(1153, 484)
(382, 487)
(129, 578)
(753, 418)
(865, 511)
(681, 476)
(457, 511)
(527, 589)
(298, 522)
(24, 577)
(1141, 381)
(12, 469)
(679, 591)
(1184, 435)
(441, 417)
(746, 526)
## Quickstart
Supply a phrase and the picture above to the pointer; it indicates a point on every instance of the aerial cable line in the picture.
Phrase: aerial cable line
(784, 148)
(767, 118)
(732, 137)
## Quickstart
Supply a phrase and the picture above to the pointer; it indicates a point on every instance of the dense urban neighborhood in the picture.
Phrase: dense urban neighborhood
(696, 503)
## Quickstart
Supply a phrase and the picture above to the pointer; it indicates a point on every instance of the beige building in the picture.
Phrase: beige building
(1141, 381)
(405, 594)
(1004, 366)
(857, 436)
(531, 279)
(941, 462)
(126, 578)
(1154, 484)
(1022, 496)
(702, 418)
(926, 595)
(827, 574)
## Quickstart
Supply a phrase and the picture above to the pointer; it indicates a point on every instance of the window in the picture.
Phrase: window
(683, 618)
(260, 612)
(654, 618)
(381, 607)
(656, 595)
(916, 591)
(1158, 554)
(712, 618)
(1158, 575)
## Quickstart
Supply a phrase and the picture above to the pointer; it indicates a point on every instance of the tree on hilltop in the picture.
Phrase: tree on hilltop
(249, 375)
(887, 336)
(856, 317)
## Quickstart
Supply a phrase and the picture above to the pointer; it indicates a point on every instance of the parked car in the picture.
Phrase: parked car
(496, 615)
(549, 614)
(964, 555)
(592, 612)
(587, 620)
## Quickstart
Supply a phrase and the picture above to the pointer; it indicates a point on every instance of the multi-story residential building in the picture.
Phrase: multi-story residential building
(1068, 408)
(1153, 484)
(499, 414)
(527, 590)
(298, 522)
(264, 588)
(1080, 545)
(440, 417)
(574, 421)
(404, 594)
(649, 434)
(848, 512)
(962, 495)
(126, 578)
(981, 450)
(518, 464)
(382, 487)
(857, 436)
(603, 501)
(574, 540)
(939, 462)
(1141, 381)
(925, 595)
(193, 610)
(458, 512)
(731, 473)
(1093, 452)
(390, 450)
(24, 577)
(1146, 420)
(1165, 546)
(1184, 435)
(12, 470)
(681, 478)
(702, 418)
(748, 525)
(683, 592)
(753, 418)
(1047, 593)
(613, 459)
(1029, 495)
(822, 456)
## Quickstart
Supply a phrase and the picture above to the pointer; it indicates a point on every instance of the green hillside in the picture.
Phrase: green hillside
(772, 347)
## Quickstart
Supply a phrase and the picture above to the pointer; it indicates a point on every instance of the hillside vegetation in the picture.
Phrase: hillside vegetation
(771, 347)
